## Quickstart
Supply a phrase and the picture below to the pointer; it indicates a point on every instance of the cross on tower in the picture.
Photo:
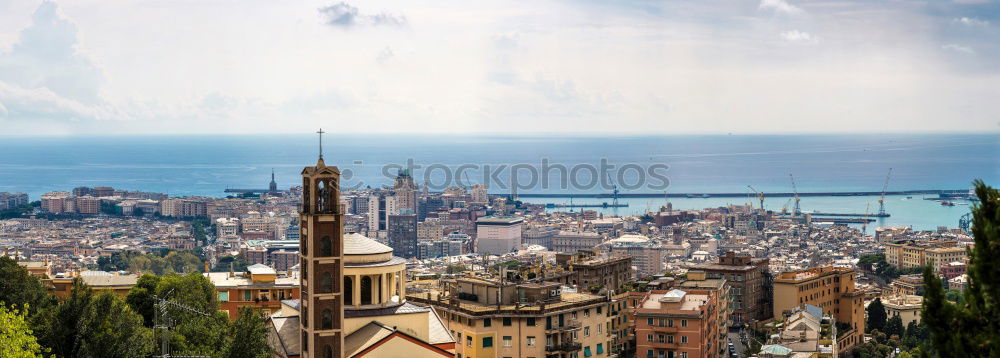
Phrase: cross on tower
(320, 131)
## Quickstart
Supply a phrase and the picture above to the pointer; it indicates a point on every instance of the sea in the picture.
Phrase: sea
(206, 165)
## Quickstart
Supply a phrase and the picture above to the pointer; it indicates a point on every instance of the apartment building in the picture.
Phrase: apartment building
(492, 319)
(586, 269)
(830, 288)
(677, 324)
(913, 253)
(573, 241)
(260, 287)
(698, 282)
(647, 255)
(750, 279)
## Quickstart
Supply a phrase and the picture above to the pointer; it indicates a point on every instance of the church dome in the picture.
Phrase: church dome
(357, 244)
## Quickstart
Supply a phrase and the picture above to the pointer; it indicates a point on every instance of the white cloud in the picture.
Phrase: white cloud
(460, 66)
(345, 15)
(971, 21)
(385, 55)
(45, 56)
(780, 6)
(796, 36)
(959, 48)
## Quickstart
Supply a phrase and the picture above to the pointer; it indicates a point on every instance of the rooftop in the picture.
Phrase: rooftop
(357, 244)
(499, 220)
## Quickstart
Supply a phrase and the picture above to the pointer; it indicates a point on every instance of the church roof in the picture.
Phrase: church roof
(357, 244)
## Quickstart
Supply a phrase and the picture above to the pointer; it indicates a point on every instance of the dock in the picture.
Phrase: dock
(739, 195)
(601, 205)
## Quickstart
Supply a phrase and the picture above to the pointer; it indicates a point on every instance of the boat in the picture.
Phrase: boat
(704, 195)
(909, 197)
(947, 203)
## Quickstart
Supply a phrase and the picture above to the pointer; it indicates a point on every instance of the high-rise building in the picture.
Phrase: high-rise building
(498, 235)
(405, 191)
(751, 281)
(53, 202)
(479, 194)
(380, 206)
(322, 268)
(88, 205)
(402, 234)
(647, 255)
(10, 201)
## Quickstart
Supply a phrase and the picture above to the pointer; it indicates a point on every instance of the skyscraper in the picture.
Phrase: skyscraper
(405, 191)
(402, 234)
(321, 249)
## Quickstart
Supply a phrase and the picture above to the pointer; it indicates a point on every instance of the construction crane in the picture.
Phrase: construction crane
(965, 223)
(163, 322)
(784, 208)
(760, 196)
(796, 211)
(614, 190)
(881, 201)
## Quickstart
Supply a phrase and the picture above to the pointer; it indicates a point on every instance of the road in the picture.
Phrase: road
(734, 338)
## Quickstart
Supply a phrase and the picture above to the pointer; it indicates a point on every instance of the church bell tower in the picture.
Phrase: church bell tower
(321, 311)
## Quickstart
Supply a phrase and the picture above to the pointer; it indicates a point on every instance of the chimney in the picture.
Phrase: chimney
(231, 274)
(207, 270)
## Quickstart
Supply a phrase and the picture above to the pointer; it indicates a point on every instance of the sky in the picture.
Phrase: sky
(124, 67)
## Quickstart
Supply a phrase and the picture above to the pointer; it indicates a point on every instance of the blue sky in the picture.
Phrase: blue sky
(712, 66)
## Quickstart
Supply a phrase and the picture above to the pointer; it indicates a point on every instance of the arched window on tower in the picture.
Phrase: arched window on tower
(320, 196)
(305, 195)
(327, 319)
(348, 290)
(325, 246)
(327, 283)
(366, 290)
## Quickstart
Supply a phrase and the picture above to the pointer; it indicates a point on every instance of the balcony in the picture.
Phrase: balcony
(570, 325)
(564, 347)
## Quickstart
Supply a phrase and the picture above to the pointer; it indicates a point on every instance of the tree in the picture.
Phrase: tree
(18, 288)
(110, 328)
(237, 264)
(16, 340)
(876, 316)
(140, 298)
(59, 325)
(456, 268)
(894, 327)
(970, 328)
(247, 336)
(194, 334)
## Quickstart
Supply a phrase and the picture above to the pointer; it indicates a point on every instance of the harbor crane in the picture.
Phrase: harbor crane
(796, 211)
(881, 201)
(614, 190)
(760, 196)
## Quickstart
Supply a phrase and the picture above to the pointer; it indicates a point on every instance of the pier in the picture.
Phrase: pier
(739, 195)
(877, 215)
(601, 205)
